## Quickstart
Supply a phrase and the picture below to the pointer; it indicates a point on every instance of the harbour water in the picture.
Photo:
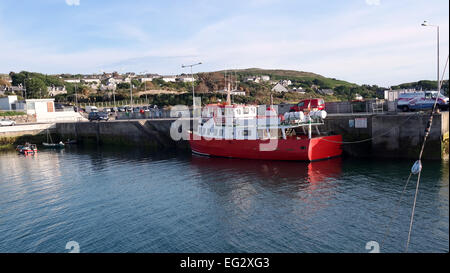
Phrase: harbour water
(131, 200)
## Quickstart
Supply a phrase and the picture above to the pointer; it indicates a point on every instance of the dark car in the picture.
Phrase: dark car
(98, 116)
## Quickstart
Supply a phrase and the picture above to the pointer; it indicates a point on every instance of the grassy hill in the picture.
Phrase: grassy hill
(299, 77)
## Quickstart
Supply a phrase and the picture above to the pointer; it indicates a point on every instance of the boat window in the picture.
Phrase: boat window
(301, 104)
(246, 110)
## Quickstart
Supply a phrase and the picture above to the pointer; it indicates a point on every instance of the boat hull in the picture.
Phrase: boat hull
(292, 148)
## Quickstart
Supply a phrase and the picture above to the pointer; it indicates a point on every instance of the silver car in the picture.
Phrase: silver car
(7, 122)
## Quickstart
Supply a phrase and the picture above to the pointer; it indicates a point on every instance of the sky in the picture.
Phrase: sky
(371, 42)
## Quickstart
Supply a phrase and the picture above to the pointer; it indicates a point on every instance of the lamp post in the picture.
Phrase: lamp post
(191, 65)
(425, 24)
(76, 94)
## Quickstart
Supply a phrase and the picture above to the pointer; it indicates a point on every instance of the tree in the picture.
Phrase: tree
(35, 88)
(123, 85)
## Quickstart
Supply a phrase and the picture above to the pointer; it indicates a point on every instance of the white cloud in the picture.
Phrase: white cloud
(373, 2)
(73, 2)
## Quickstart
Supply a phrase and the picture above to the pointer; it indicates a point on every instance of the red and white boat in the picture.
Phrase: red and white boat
(238, 131)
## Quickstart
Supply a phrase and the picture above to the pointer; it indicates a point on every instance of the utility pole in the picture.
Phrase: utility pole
(425, 24)
(145, 86)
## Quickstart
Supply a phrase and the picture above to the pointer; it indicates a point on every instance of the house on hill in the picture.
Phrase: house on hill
(279, 88)
(56, 90)
(328, 92)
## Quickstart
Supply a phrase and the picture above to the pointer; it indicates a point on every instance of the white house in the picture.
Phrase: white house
(186, 79)
(169, 78)
(56, 90)
(265, 78)
(73, 80)
(279, 88)
(286, 82)
(91, 81)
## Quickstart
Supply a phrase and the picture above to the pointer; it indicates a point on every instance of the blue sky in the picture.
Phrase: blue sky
(363, 41)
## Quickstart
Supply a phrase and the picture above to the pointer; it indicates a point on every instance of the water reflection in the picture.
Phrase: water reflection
(256, 191)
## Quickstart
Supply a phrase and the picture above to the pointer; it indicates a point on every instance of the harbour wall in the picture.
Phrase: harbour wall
(397, 135)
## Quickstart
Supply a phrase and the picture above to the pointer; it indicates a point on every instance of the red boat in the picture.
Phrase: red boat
(27, 149)
(289, 137)
(291, 148)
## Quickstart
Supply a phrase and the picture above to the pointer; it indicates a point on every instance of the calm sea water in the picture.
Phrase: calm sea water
(138, 201)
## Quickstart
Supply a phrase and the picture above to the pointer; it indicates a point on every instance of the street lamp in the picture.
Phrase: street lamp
(191, 65)
(426, 24)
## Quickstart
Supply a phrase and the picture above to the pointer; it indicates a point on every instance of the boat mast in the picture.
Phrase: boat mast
(309, 114)
(228, 86)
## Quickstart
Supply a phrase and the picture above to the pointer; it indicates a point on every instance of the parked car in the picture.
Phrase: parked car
(98, 116)
(114, 109)
(91, 109)
(121, 109)
(421, 100)
(7, 122)
(313, 104)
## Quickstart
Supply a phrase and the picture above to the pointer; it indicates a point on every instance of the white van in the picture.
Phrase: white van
(91, 109)
(421, 100)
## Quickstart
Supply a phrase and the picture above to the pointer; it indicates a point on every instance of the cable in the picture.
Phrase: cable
(368, 139)
(427, 132)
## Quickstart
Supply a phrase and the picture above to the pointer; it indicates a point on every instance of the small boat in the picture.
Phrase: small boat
(71, 142)
(52, 145)
(27, 149)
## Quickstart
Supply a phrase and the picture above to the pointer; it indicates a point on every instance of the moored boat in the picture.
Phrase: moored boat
(264, 136)
(52, 145)
(27, 149)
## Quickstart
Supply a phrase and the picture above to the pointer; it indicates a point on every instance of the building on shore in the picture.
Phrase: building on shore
(43, 109)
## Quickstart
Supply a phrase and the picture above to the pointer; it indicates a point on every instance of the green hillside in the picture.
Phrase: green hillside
(300, 78)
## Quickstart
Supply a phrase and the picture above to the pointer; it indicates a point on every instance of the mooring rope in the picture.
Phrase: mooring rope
(427, 132)
(369, 139)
